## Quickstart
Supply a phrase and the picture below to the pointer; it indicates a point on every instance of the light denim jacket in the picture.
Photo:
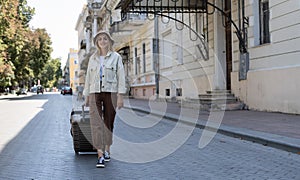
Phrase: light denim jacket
(113, 78)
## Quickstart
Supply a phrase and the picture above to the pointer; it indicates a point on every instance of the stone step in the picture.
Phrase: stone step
(215, 95)
(214, 107)
(223, 107)
(219, 92)
(215, 100)
(218, 100)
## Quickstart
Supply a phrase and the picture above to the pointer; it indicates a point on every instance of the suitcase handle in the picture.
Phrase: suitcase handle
(82, 111)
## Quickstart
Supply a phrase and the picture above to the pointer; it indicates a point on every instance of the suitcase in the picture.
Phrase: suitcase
(81, 130)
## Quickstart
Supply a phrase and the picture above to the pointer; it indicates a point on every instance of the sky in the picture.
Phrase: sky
(59, 18)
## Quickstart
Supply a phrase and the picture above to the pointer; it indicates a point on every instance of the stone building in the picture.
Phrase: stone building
(72, 74)
(205, 54)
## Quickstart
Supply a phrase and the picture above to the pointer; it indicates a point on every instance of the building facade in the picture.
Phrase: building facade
(249, 48)
(74, 68)
(273, 41)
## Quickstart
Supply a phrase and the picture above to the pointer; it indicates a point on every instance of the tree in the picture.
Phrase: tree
(25, 54)
(7, 14)
(14, 18)
(6, 74)
(51, 73)
(40, 52)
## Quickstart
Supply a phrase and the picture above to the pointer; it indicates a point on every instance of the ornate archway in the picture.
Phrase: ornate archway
(182, 12)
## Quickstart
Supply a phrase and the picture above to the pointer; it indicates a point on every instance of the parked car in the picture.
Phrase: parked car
(40, 89)
(33, 89)
(62, 90)
(21, 91)
(66, 90)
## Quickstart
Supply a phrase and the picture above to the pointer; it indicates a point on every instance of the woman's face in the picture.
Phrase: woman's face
(103, 41)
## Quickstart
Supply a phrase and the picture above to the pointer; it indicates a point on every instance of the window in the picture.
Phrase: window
(144, 57)
(138, 65)
(136, 61)
(167, 92)
(179, 92)
(144, 92)
(264, 18)
(135, 92)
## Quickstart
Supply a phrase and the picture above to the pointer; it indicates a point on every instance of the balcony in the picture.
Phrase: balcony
(122, 30)
(131, 23)
(143, 80)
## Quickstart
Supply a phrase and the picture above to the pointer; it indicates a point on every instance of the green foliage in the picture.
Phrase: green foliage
(25, 12)
(14, 18)
(6, 73)
(25, 54)
(51, 73)
(40, 52)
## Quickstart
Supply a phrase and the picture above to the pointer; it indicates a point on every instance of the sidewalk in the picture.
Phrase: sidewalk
(277, 130)
(10, 95)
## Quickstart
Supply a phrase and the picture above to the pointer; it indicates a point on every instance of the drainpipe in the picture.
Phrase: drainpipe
(156, 55)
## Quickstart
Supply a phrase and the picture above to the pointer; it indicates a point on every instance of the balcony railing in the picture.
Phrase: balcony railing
(131, 22)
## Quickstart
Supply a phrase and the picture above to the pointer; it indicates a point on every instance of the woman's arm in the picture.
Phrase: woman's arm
(121, 77)
(86, 90)
(121, 83)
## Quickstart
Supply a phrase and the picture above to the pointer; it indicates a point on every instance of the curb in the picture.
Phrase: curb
(266, 139)
(14, 96)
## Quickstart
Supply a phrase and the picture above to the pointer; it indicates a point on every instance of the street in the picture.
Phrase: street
(35, 143)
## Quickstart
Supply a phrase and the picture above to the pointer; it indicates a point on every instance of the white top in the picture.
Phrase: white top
(101, 58)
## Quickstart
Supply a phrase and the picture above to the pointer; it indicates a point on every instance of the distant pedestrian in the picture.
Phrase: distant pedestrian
(104, 86)
(79, 92)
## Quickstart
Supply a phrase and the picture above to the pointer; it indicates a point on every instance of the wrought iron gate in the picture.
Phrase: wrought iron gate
(179, 10)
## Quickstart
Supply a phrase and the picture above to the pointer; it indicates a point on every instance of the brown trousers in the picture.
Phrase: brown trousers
(102, 116)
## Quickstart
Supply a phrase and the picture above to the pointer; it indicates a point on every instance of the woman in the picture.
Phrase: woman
(104, 86)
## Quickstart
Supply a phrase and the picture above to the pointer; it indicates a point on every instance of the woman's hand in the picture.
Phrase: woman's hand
(120, 102)
(87, 101)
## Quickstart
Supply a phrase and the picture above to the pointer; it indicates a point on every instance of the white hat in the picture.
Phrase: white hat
(103, 32)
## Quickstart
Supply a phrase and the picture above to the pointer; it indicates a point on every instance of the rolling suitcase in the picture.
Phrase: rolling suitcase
(81, 130)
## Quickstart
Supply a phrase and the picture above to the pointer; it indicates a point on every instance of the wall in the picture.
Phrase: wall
(273, 79)
(74, 68)
(186, 68)
(142, 83)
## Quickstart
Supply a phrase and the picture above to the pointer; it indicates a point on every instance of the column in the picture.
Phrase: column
(95, 24)
(219, 80)
(88, 40)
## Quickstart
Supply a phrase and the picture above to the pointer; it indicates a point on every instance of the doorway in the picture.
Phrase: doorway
(228, 36)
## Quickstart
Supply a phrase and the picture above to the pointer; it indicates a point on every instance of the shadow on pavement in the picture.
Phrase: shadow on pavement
(43, 147)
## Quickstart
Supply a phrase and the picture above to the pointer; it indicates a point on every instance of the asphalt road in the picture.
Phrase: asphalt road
(35, 143)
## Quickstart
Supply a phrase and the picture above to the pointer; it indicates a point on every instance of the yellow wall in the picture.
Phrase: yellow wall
(74, 67)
